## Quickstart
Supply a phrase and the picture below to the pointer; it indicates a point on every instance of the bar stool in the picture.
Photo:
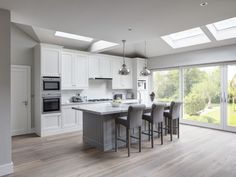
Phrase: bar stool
(171, 116)
(155, 117)
(133, 120)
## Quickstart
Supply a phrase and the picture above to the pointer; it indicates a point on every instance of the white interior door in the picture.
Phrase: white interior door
(20, 100)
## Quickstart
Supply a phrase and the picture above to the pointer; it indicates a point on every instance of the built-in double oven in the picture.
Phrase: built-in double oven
(51, 95)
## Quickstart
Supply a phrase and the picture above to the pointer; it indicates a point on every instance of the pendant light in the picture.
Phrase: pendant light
(145, 71)
(124, 70)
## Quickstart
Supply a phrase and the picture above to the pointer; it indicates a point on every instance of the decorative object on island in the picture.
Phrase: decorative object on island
(124, 70)
(145, 71)
(116, 103)
(152, 96)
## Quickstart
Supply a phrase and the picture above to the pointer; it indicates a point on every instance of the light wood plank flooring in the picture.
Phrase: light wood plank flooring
(198, 153)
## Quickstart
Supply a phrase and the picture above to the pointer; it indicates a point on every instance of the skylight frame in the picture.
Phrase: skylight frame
(221, 32)
(197, 37)
(102, 45)
(73, 36)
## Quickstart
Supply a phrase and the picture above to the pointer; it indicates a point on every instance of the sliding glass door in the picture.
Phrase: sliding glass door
(230, 97)
(202, 95)
(208, 94)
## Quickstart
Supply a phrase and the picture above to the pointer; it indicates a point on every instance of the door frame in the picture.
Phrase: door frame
(28, 70)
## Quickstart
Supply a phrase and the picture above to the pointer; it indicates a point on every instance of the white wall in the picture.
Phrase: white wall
(205, 56)
(5, 97)
(22, 53)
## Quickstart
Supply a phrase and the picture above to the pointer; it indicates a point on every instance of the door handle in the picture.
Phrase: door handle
(25, 103)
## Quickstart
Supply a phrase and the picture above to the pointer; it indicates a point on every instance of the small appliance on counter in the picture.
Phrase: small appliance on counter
(118, 96)
(76, 99)
(129, 95)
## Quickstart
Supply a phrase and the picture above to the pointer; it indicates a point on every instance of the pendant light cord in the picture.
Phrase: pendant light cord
(146, 53)
(123, 51)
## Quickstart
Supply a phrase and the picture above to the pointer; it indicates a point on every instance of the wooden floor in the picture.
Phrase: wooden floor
(198, 153)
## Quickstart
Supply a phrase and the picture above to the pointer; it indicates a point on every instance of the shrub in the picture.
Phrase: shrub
(194, 103)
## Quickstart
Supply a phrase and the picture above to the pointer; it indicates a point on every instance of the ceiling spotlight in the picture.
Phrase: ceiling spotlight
(204, 4)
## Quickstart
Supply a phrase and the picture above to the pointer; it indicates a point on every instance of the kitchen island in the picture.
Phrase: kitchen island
(99, 124)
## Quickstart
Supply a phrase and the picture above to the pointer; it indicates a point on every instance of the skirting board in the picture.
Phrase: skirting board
(6, 169)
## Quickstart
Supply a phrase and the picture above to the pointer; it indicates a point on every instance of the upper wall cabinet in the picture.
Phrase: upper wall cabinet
(50, 61)
(100, 66)
(122, 81)
(74, 71)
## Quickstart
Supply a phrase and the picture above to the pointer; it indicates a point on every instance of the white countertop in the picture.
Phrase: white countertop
(106, 108)
(100, 102)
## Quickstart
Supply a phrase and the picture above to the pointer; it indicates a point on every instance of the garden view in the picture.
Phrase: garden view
(201, 92)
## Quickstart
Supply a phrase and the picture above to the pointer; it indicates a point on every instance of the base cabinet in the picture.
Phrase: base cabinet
(68, 120)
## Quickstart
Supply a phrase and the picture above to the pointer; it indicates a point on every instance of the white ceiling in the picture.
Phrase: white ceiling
(110, 19)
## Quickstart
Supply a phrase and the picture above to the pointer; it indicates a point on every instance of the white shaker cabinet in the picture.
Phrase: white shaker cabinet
(50, 61)
(74, 71)
(100, 66)
(121, 81)
(71, 118)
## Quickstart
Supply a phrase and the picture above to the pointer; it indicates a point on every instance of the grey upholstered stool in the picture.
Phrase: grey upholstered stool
(173, 115)
(133, 120)
(155, 118)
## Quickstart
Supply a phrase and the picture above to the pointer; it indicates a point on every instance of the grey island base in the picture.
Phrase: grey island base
(99, 124)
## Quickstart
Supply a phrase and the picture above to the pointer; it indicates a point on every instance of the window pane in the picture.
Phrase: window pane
(202, 94)
(231, 111)
(166, 85)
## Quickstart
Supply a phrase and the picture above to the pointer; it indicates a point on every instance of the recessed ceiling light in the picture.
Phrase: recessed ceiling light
(130, 29)
(224, 29)
(186, 38)
(73, 36)
(204, 4)
(102, 45)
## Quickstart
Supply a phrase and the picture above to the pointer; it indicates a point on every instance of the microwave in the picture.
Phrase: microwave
(51, 83)
(51, 103)
(142, 85)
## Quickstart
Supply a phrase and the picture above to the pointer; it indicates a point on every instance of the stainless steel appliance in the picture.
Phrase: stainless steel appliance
(51, 102)
(118, 96)
(51, 83)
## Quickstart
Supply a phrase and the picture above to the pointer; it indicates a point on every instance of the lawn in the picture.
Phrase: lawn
(213, 115)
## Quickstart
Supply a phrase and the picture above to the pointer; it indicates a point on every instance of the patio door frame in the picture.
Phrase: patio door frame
(226, 127)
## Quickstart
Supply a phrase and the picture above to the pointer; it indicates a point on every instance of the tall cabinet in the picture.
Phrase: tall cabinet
(74, 71)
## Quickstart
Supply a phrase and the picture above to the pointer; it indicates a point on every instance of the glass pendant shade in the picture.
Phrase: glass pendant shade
(124, 70)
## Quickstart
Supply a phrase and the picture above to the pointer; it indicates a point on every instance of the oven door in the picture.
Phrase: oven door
(51, 85)
(51, 105)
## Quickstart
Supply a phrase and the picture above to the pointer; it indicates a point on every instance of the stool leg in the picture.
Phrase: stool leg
(149, 129)
(178, 126)
(127, 137)
(140, 138)
(171, 129)
(128, 132)
(116, 137)
(161, 133)
(152, 134)
(158, 129)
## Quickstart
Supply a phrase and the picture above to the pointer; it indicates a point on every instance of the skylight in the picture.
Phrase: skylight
(224, 29)
(73, 36)
(186, 38)
(102, 45)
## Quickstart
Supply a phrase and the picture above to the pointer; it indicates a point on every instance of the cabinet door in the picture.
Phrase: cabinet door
(81, 71)
(69, 117)
(127, 80)
(51, 62)
(93, 66)
(79, 115)
(116, 78)
(51, 122)
(67, 63)
(105, 67)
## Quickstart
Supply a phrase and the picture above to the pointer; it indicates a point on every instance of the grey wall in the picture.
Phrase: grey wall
(5, 122)
(205, 56)
(22, 53)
